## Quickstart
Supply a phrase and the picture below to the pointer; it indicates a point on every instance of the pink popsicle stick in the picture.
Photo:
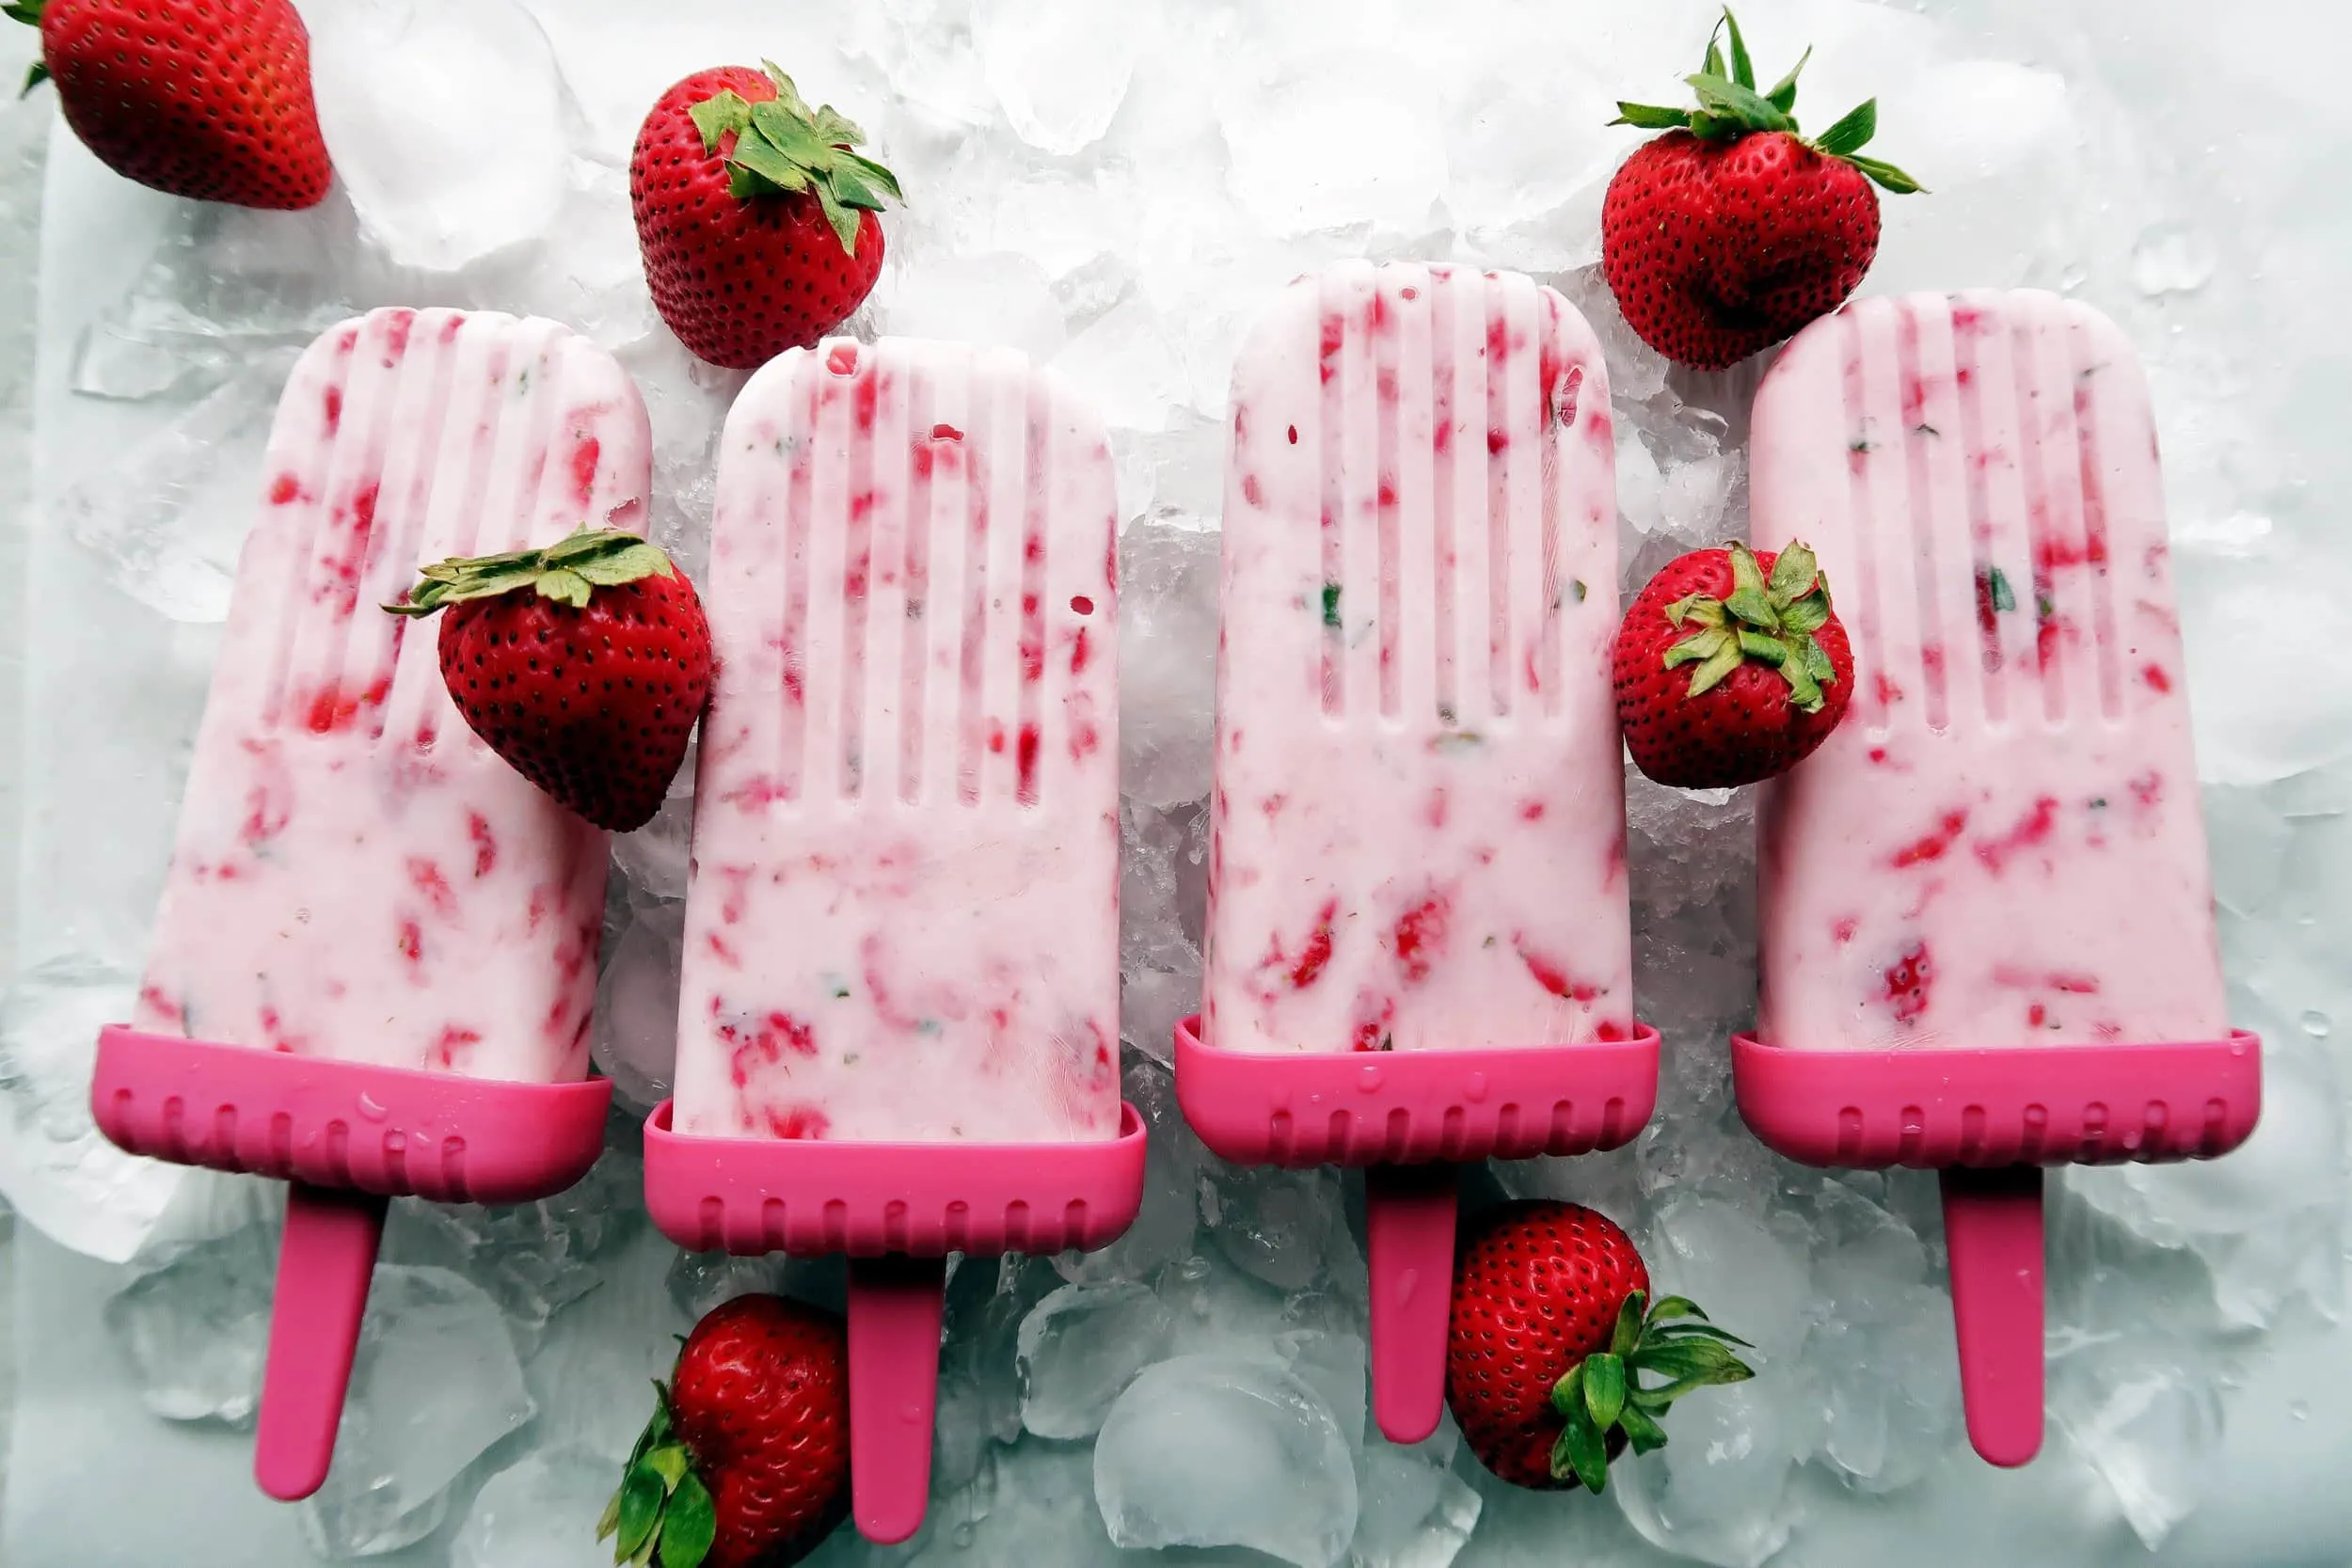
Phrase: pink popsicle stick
(895, 1304)
(1992, 1223)
(1408, 1224)
(324, 1266)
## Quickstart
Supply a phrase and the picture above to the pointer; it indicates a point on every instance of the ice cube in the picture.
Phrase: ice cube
(1892, 1386)
(1128, 367)
(435, 1384)
(593, 1373)
(54, 1167)
(195, 1329)
(1274, 1224)
(655, 857)
(2171, 258)
(1205, 1451)
(1079, 1347)
(1717, 1492)
(1060, 67)
(532, 1257)
(698, 1281)
(1347, 136)
(987, 300)
(539, 1513)
(1167, 621)
(635, 1038)
(2144, 1410)
(1744, 1272)
(171, 515)
(449, 122)
(1417, 1513)
(1165, 1225)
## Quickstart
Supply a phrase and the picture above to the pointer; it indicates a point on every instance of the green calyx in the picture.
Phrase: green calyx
(1730, 107)
(1768, 621)
(1605, 1391)
(783, 148)
(28, 12)
(568, 571)
(662, 1513)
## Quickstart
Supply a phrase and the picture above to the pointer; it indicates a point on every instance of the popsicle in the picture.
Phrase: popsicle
(1987, 932)
(898, 1010)
(1419, 948)
(375, 955)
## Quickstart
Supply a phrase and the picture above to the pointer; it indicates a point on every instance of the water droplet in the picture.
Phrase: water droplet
(2317, 1024)
(2299, 1409)
(962, 1535)
(2171, 258)
(370, 1109)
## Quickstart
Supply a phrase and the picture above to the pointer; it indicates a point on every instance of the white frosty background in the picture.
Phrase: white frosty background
(1117, 188)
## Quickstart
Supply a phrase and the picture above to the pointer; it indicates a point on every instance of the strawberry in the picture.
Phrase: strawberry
(213, 101)
(1551, 1331)
(1730, 231)
(755, 215)
(1774, 669)
(583, 664)
(746, 1460)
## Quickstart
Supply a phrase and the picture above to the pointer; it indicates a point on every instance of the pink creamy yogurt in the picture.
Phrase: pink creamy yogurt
(1419, 813)
(357, 876)
(904, 919)
(2001, 844)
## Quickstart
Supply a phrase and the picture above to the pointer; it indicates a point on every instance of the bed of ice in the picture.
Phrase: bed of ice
(1116, 188)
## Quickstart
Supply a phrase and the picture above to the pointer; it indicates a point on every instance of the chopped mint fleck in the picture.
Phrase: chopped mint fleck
(1459, 740)
(2045, 607)
(848, 1058)
(1576, 586)
(927, 1026)
(1860, 443)
(2098, 803)
(1445, 714)
(1997, 589)
(1331, 605)
(1923, 428)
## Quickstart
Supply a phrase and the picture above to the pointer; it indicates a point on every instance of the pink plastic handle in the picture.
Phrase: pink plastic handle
(1992, 1223)
(1408, 1224)
(895, 1304)
(324, 1266)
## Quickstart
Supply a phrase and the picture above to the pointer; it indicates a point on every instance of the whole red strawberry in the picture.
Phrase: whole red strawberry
(1551, 1331)
(746, 1460)
(205, 99)
(755, 215)
(584, 665)
(1771, 667)
(1730, 231)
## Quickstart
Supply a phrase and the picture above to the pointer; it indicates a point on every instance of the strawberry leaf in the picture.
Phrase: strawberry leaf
(1628, 1333)
(1742, 70)
(1886, 175)
(1700, 646)
(1670, 1307)
(1850, 134)
(1753, 606)
(670, 1462)
(1763, 649)
(1567, 1395)
(610, 571)
(609, 1521)
(845, 220)
(1716, 670)
(1581, 1451)
(1649, 116)
(1794, 571)
(642, 1496)
(1642, 1434)
(716, 116)
(567, 571)
(1803, 691)
(688, 1525)
(565, 586)
(1743, 106)
(1784, 94)
(1714, 66)
(34, 77)
(1808, 614)
(1604, 1388)
(1818, 661)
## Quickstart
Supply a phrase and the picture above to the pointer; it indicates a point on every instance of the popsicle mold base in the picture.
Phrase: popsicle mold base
(1989, 1120)
(347, 1138)
(897, 1209)
(1413, 1107)
(1410, 1117)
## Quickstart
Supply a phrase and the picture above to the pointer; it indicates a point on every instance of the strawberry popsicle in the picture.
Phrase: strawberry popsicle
(904, 918)
(1419, 945)
(375, 953)
(1988, 941)
(357, 876)
(898, 1010)
(1419, 811)
(2001, 845)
